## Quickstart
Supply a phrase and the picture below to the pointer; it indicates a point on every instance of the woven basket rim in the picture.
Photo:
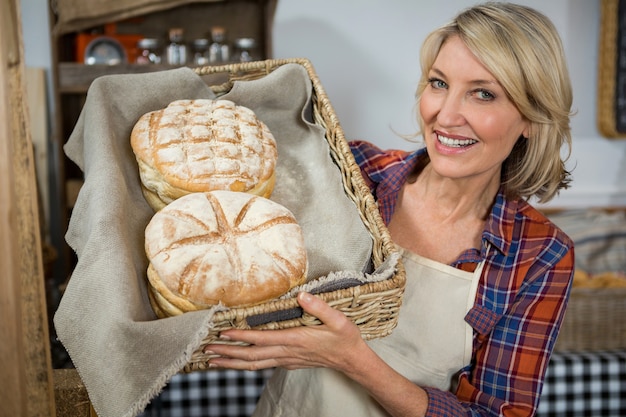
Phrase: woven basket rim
(285, 304)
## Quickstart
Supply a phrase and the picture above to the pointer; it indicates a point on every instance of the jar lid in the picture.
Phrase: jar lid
(201, 43)
(218, 31)
(148, 43)
(176, 34)
(245, 43)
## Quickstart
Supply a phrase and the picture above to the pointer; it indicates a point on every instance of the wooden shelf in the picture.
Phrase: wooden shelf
(76, 78)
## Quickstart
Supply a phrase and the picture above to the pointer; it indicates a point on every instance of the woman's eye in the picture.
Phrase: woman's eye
(485, 95)
(437, 83)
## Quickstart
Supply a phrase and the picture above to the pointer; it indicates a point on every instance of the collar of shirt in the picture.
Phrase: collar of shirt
(387, 171)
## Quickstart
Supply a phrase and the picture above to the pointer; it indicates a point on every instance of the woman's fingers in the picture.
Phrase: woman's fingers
(248, 353)
(259, 356)
(244, 357)
(231, 363)
(333, 319)
(315, 306)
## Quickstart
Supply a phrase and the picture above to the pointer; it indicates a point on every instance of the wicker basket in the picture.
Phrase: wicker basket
(374, 307)
(594, 320)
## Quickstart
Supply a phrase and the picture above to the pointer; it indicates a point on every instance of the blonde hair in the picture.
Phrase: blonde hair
(523, 50)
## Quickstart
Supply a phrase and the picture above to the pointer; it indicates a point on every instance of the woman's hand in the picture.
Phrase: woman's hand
(332, 344)
(336, 343)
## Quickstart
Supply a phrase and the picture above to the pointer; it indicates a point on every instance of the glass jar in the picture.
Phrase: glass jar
(219, 51)
(200, 51)
(176, 51)
(245, 50)
(149, 52)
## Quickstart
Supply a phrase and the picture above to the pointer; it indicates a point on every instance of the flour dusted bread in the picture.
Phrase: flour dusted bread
(225, 247)
(202, 145)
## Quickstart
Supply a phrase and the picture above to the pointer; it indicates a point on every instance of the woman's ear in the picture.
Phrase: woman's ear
(526, 131)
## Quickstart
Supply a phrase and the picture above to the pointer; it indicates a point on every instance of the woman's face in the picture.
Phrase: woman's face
(470, 125)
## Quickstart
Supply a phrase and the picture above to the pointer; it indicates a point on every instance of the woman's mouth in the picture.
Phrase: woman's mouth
(455, 143)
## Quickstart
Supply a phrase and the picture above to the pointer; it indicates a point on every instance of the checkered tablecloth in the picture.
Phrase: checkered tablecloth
(223, 393)
(585, 384)
(591, 384)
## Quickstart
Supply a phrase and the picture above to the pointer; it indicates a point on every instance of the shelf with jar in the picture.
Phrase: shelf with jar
(195, 34)
(75, 77)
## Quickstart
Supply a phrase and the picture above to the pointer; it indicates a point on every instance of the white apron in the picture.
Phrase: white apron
(430, 344)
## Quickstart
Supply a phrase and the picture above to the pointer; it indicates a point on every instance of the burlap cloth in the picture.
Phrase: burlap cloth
(124, 355)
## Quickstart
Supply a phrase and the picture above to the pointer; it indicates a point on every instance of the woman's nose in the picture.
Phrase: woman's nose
(451, 111)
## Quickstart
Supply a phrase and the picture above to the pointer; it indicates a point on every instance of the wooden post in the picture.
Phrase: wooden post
(26, 387)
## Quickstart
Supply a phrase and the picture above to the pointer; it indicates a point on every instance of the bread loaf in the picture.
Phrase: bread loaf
(223, 247)
(202, 145)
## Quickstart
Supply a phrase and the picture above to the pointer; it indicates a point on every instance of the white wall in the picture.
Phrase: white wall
(35, 30)
(366, 55)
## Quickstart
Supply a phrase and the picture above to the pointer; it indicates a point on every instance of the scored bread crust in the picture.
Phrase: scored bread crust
(224, 247)
(203, 145)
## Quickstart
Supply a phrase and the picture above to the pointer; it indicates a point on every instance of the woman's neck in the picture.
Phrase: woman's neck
(455, 199)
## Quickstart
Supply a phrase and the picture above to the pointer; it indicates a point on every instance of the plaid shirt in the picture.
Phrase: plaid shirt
(520, 301)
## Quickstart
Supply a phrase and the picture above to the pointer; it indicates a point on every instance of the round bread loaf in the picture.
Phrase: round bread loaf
(202, 145)
(225, 247)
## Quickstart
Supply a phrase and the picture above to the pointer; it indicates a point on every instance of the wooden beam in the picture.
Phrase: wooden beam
(25, 364)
